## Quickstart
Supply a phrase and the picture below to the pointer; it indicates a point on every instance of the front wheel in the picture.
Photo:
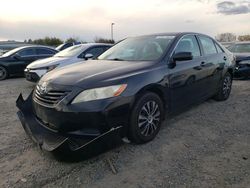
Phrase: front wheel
(3, 73)
(146, 118)
(225, 88)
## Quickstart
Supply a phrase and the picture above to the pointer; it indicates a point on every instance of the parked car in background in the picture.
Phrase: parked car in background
(13, 63)
(66, 45)
(127, 91)
(227, 44)
(73, 54)
(242, 52)
(2, 52)
(6, 46)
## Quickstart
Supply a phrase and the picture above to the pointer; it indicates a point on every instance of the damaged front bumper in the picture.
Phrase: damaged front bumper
(49, 139)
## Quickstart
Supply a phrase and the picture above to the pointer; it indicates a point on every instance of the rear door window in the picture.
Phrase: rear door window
(43, 51)
(27, 52)
(208, 45)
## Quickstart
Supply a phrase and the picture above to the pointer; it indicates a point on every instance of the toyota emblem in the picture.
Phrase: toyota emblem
(43, 88)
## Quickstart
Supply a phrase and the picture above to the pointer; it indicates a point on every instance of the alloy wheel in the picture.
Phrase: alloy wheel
(227, 86)
(149, 118)
(3, 73)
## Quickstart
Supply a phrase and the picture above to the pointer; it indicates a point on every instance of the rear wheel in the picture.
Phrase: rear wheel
(225, 88)
(3, 73)
(146, 118)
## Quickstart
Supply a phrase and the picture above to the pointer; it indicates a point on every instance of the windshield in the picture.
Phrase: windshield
(58, 47)
(11, 52)
(240, 48)
(148, 48)
(71, 51)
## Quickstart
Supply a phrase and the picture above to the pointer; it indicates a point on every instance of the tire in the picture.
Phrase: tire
(3, 73)
(225, 88)
(146, 118)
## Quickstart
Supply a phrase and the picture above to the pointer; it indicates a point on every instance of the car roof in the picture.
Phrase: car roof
(174, 34)
(35, 46)
(95, 44)
(88, 45)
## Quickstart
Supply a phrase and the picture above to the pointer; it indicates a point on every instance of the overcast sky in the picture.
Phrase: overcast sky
(87, 19)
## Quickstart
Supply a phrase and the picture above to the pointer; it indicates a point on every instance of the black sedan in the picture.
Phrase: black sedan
(242, 52)
(128, 91)
(15, 61)
(66, 45)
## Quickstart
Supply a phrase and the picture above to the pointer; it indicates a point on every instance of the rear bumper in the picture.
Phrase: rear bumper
(49, 139)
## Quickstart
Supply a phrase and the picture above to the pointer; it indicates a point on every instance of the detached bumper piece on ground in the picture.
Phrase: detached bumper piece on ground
(51, 140)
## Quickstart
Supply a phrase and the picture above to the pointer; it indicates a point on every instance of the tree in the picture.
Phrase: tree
(226, 37)
(49, 41)
(30, 41)
(103, 40)
(72, 39)
(244, 38)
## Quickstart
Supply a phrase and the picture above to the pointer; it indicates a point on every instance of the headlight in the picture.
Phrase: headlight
(244, 62)
(50, 68)
(99, 93)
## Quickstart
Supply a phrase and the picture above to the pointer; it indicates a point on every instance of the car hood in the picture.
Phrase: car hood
(48, 62)
(242, 56)
(95, 72)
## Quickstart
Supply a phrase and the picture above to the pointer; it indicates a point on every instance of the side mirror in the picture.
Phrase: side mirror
(17, 56)
(182, 56)
(88, 56)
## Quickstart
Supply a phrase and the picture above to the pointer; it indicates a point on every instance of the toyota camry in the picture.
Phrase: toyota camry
(128, 91)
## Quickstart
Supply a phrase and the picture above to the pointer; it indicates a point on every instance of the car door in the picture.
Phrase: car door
(215, 60)
(187, 79)
(21, 59)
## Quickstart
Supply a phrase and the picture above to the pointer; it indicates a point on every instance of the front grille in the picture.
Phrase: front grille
(50, 98)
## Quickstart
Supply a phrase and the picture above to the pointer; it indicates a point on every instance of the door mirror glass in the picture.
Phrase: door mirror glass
(88, 56)
(182, 56)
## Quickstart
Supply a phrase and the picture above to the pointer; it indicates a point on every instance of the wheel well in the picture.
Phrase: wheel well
(4, 67)
(157, 91)
(230, 71)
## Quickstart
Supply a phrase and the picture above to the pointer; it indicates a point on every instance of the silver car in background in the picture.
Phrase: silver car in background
(74, 54)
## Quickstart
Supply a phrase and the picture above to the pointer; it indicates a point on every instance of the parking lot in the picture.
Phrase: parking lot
(205, 146)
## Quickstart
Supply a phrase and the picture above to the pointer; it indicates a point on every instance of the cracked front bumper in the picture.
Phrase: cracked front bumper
(49, 139)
